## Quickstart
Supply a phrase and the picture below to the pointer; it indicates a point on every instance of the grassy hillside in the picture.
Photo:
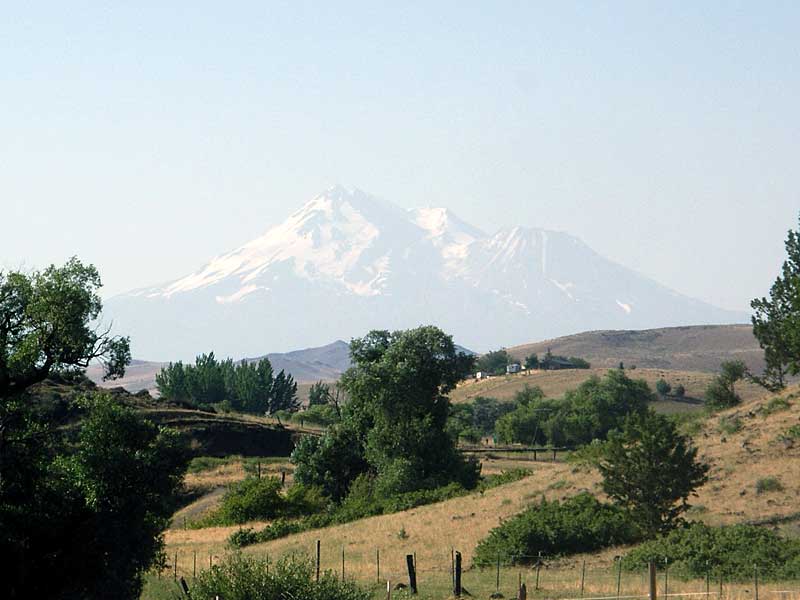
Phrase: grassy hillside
(696, 348)
(556, 383)
(749, 444)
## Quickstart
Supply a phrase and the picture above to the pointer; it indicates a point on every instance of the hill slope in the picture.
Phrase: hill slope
(347, 262)
(761, 448)
(695, 348)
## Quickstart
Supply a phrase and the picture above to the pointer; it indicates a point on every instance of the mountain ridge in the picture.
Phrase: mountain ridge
(346, 262)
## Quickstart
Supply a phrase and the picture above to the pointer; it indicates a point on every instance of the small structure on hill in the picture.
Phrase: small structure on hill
(513, 368)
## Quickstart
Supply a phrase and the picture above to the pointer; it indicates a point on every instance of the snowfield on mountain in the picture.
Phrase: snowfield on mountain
(347, 262)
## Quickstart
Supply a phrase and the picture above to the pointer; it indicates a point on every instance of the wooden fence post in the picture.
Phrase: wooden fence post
(259, 469)
(651, 571)
(194, 565)
(755, 580)
(538, 568)
(378, 561)
(523, 592)
(453, 567)
(412, 573)
(283, 478)
(666, 577)
(342, 563)
(457, 585)
(317, 561)
(497, 576)
(175, 568)
(583, 576)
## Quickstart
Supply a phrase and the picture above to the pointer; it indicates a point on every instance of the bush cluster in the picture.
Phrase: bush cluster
(258, 499)
(578, 524)
(592, 410)
(240, 577)
(729, 552)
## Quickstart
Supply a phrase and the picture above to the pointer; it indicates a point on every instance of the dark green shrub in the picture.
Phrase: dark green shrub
(679, 391)
(775, 405)
(793, 433)
(251, 499)
(578, 524)
(317, 414)
(730, 424)
(662, 387)
(243, 537)
(768, 484)
(240, 577)
(729, 552)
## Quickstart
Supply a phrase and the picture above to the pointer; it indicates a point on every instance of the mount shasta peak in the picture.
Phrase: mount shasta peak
(347, 262)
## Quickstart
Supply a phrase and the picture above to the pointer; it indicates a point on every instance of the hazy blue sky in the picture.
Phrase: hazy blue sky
(148, 136)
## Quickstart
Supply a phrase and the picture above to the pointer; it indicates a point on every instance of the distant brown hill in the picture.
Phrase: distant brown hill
(695, 348)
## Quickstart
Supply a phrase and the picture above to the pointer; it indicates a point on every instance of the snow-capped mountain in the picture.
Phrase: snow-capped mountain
(347, 262)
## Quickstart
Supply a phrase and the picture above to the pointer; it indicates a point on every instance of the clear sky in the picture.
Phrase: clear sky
(146, 137)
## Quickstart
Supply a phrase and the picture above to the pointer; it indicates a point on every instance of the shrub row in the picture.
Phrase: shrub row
(240, 577)
(730, 552)
(578, 524)
(255, 499)
(362, 502)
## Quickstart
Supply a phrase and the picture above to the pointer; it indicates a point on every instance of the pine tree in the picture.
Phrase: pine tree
(776, 321)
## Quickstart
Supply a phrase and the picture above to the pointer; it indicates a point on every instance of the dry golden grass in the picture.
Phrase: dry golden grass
(738, 460)
(556, 383)
(431, 530)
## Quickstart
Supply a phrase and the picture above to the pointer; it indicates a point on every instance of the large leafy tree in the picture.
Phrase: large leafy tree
(393, 426)
(48, 323)
(83, 505)
(776, 320)
(651, 470)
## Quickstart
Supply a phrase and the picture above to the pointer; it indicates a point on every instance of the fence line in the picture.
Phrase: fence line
(545, 577)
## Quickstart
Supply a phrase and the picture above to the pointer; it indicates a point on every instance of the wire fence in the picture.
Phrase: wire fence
(388, 572)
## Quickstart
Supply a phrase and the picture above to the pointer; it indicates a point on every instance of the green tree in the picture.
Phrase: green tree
(651, 470)
(721, 392)
(680, 391)
(284, 394)
(123, 479)
(319, 394)
(587, 413)
(393, 426)
(776, 320)
(47, 325)
(84, 505)
(532, 361)
(663, 388)
(494, 362)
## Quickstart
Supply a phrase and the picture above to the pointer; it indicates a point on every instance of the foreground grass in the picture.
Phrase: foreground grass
(556, 580)
(757, 450)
